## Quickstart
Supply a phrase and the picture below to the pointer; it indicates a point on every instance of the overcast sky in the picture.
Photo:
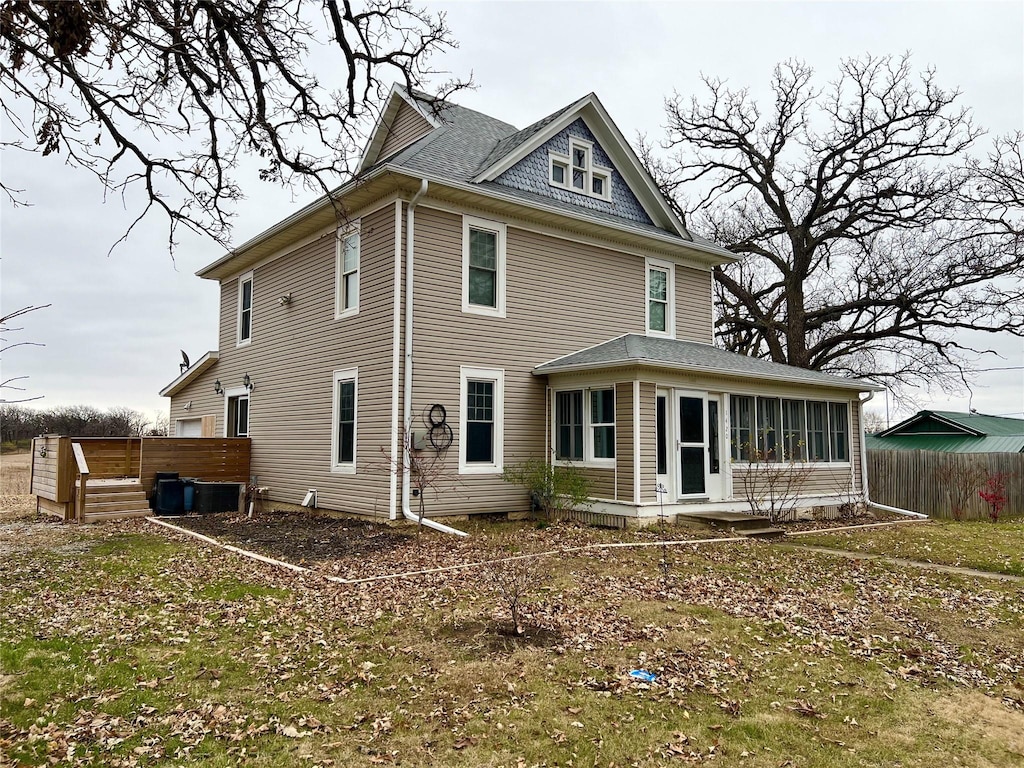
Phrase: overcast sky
(116, 322)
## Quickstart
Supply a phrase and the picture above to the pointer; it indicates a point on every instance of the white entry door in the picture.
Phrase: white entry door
(697, 431)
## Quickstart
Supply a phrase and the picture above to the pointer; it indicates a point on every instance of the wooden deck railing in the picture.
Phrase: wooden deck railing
(83, 479)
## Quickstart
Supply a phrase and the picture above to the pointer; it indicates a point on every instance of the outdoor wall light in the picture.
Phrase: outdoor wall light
(247, 383)
(42, 452)
(285, 300)
(217, 388)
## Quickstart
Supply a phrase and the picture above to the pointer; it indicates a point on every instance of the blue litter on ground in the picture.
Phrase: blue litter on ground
(643, 675)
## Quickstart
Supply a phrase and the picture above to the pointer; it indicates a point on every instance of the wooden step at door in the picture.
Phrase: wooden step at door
(114, 499)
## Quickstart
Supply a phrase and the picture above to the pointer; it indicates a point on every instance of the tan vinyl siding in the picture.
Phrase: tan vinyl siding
(205, 402)
(648, 442)
(294, 351)
(624, 455)
(555, 305)
(602, 482)
(408, 126)
(693, 305)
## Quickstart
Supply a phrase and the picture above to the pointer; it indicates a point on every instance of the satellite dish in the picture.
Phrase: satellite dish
(184, 365)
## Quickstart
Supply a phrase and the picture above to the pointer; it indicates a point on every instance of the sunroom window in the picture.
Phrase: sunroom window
(602, 423)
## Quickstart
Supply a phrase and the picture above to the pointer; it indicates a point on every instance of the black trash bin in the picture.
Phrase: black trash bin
(153, 491)
(215, 497)
(170, 497)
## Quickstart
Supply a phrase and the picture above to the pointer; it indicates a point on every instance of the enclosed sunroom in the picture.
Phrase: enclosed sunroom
(662, 426)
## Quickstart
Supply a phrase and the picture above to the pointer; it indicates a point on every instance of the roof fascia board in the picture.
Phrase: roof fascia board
(314, 207)
(332, 228)
(639, 180)
(396, 97)
(721, 255)
(649, 363)
(187, 376)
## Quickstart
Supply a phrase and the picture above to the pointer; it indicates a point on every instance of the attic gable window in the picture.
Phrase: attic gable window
(577, 172)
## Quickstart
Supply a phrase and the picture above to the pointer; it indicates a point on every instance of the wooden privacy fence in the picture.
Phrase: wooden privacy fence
(215, 459)
(923, 481)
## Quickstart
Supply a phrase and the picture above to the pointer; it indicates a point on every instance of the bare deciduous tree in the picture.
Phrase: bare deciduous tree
(868, 234)
(167, 95)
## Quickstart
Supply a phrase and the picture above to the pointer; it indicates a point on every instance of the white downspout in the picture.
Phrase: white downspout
(407, 400)
(864, 471)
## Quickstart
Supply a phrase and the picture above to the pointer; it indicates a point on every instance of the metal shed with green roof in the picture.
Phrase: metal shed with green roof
(952, 432)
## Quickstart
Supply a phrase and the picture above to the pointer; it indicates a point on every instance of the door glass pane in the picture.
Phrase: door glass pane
(691, 420)
(242, 420)
(715, 462)
(662, 435)
(691, 477)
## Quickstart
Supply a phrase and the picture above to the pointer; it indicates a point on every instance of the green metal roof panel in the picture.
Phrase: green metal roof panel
(947, 443)
(990, 425)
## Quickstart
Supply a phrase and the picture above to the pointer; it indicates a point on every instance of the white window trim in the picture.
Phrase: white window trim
(501, 232)
(589, 460)
(670, 295)
(339, 271)
(497, 375)
(237, 392)
(349, 467)
(242, 280)
(588, 175)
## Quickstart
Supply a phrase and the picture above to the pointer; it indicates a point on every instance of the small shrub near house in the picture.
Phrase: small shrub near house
(551, 488)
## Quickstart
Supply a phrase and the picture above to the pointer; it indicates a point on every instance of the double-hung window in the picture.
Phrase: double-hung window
(741, 419)
(569, 425)
(245, 297)
(839, 431)
(793, 440)
(343, 436)
(602, 423)
(585, 425)
(481, 420)
(768, 433)
(483, 267)
(660, 298)
(817, 431)
(346, 270)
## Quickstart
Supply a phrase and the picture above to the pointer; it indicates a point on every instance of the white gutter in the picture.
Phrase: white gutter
(407, 410)
(864, 471)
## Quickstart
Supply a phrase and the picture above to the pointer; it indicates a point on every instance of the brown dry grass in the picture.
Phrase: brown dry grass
(15, 502)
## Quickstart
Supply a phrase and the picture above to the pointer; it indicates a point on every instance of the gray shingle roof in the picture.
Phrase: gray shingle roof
(509, 143)
(468, 141)
(634, 349)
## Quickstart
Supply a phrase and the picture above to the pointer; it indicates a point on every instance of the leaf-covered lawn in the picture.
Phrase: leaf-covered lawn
(985, 546)
(127, 645)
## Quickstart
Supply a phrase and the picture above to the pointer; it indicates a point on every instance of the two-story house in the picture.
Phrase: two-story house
(502, 294)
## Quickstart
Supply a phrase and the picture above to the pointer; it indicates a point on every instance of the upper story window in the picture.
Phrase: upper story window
(483, 266)
(346, 270)
(661, 289)
(576, 171)
(245, 308)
